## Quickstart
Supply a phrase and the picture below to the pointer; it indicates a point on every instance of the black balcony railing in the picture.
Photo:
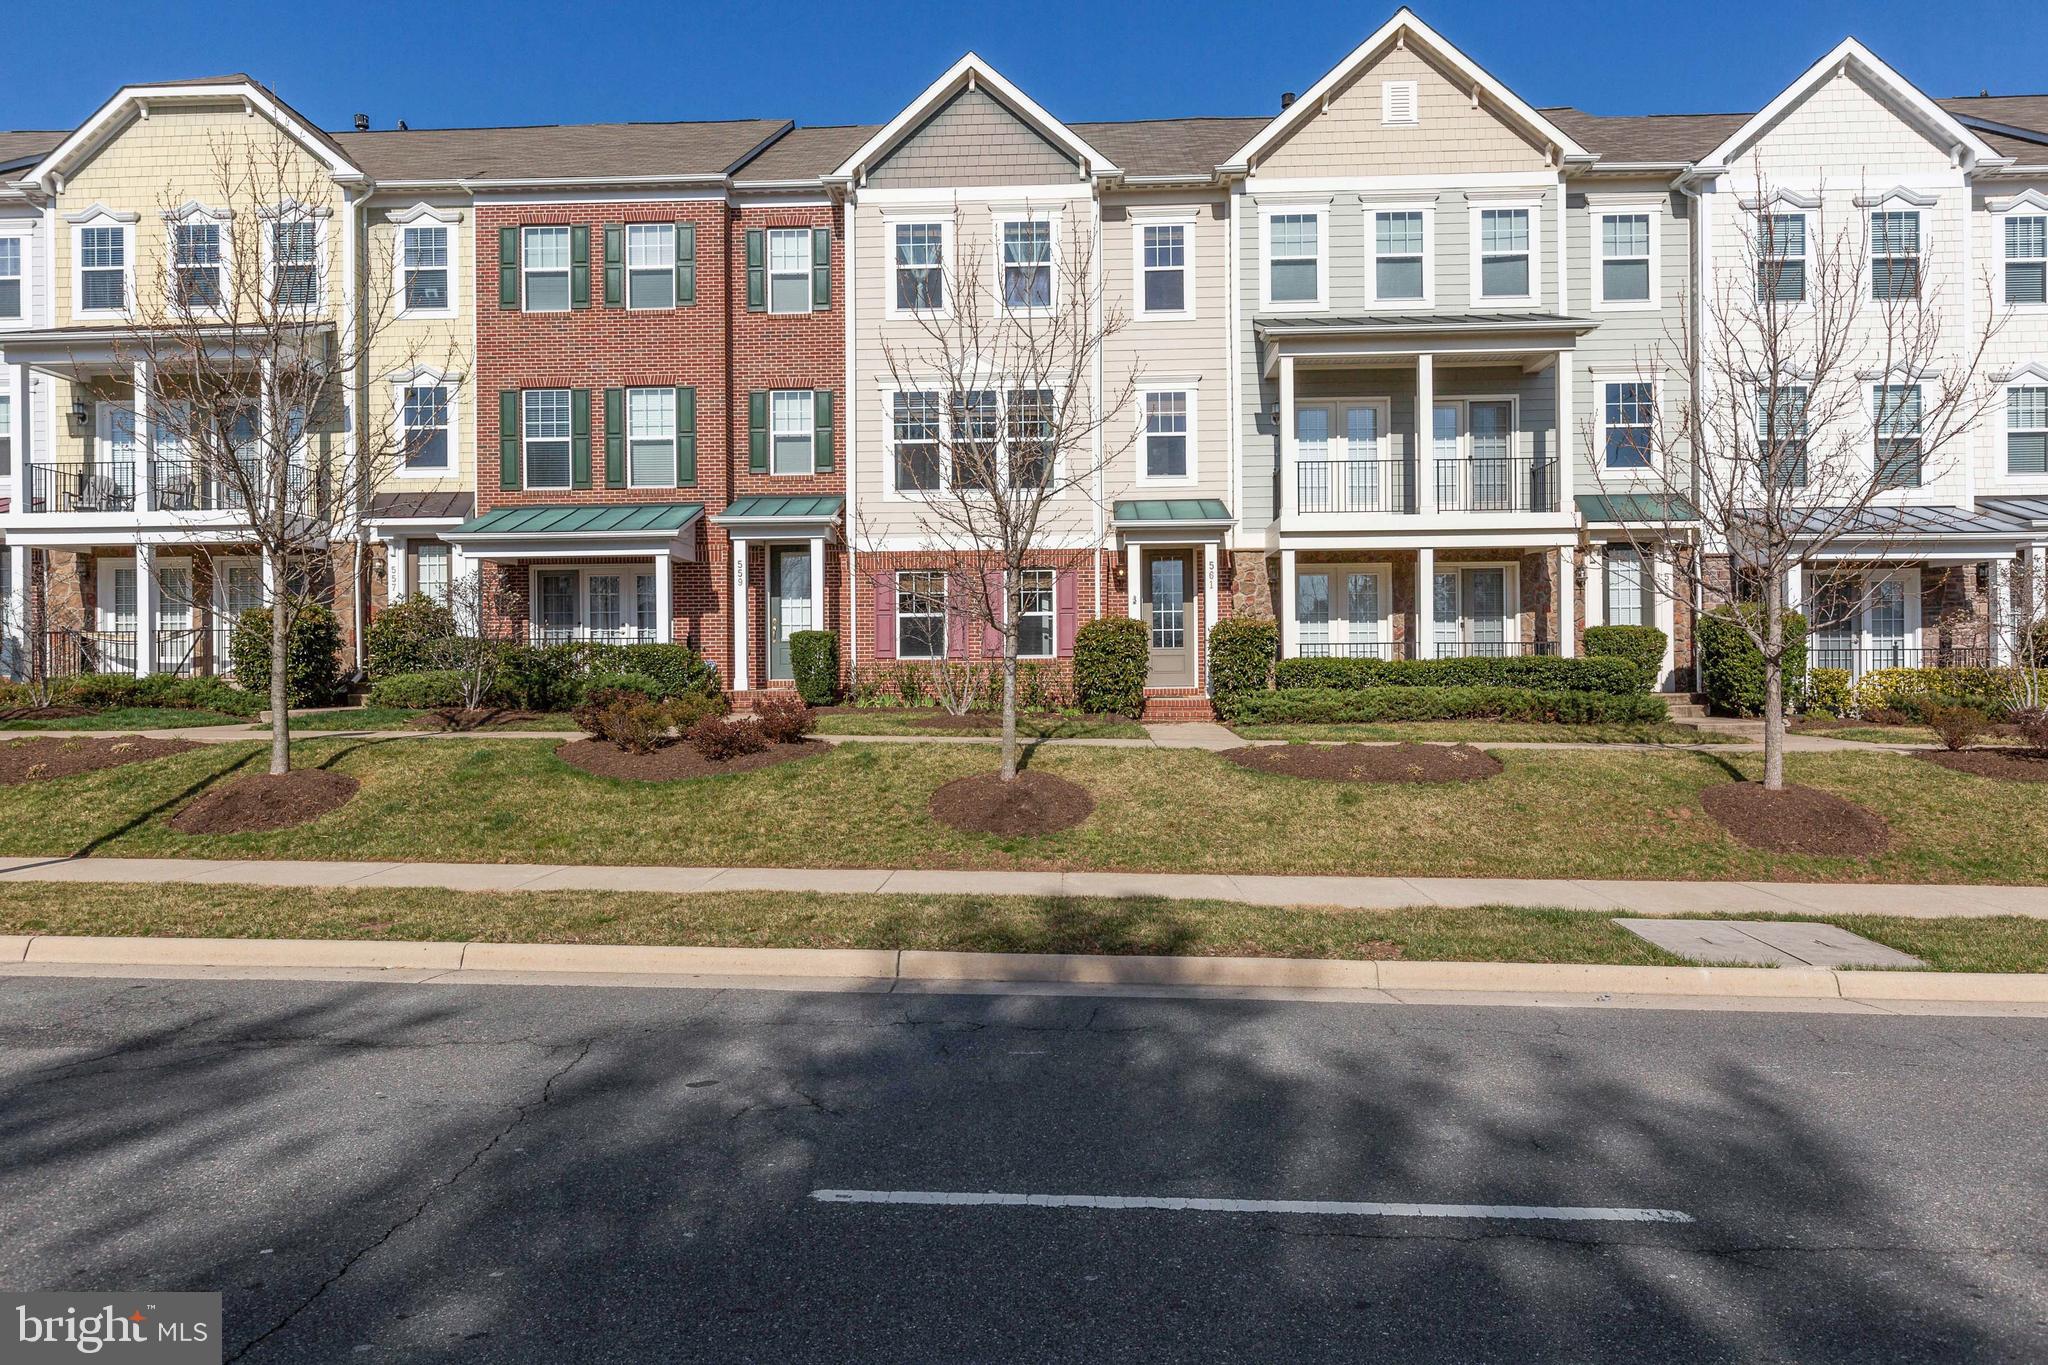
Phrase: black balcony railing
(177, 652)
(69, 652)
(1487, 484)
(1326, 486)
(177, 484)
(1858, 659)
(1473, 648)
(1354, 649)
(539, 635)
(81, 486)
(181, 484)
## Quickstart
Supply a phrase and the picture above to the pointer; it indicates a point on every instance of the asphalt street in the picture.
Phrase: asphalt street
(374, 1172)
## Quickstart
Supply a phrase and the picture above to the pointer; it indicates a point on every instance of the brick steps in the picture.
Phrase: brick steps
(1686, 708)
(1162, 708)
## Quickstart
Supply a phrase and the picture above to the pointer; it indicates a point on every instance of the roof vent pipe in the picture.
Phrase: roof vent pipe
(1287, 99)
(362, 123)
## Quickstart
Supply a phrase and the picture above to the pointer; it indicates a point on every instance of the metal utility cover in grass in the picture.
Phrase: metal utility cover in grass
(1784, 943)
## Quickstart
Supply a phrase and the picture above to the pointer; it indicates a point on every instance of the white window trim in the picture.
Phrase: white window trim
(1864, 642)
(431, 379)
(2031, 377)
(947, 281)
(527, 272)
(1787, 208)
(1601, 379)
(1380, 631)
(417, 555)
(2026, 206)
(1427, 208)
(1052, 615)
(1320, 211)
(1002, 388)
(24, 234)
(424, 216)
(1186, 224)
(1596, 214)
(626, 270)
(810, 411)
(527, 438)
(626, 571)
(318, 217)
(1510, 599)
(1532, 207)
(1866, 287)
(1869, 387)
(1463, 403)
(1052, 219)
(945, 616)
(100, 217)
(769, 271)
(1191, 391)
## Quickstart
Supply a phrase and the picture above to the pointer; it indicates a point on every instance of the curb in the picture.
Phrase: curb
(917, 965)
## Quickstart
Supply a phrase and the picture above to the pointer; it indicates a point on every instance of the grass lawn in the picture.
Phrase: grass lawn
(401, 718)
(1489, 731)
(884, 721)
(1551, 813)
(130, 718)
(1014, 924)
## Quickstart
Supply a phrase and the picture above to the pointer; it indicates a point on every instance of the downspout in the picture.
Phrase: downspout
(851, 295)
(358, 219)
(1697, 436)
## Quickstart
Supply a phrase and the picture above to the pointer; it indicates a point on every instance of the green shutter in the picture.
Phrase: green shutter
(686, 264)
(508, 439)
(821, 267)
(508, 268)
(757, 432)
(821, 431)
(614, 266)
(757, 270)
(614, 438)
(686, 437)
(579, 437)
(579, 267)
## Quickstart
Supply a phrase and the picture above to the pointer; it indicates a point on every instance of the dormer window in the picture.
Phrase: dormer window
(1400, 103)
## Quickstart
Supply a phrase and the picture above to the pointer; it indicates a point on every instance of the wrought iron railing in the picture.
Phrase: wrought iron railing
(81, 486)
(1354, 649)
(1858, 659)
(69, 652)
(539, 635)
(177, 484)
(1504, 484)
(1469, 648)
(1340, 486)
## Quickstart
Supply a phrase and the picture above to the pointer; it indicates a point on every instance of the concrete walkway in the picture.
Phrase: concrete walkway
(1360, 893)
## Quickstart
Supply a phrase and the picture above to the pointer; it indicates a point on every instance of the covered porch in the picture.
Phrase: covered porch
(155, 605)
(1389, 599)
(781, 547)
(600, 572)
(1171, 549)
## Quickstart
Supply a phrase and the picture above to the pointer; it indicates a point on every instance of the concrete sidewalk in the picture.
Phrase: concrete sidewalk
(1357, 893)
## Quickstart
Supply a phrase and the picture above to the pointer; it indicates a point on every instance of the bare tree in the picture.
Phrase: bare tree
(1004, 420)
(258, 345)
(2019, 633)
(480, 603)
(1822, 370)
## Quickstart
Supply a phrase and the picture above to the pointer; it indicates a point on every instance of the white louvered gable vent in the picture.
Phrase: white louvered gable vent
(1399, 102)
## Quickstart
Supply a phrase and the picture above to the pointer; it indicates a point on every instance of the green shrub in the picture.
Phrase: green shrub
(1540, 672)
(1111, 658)
(675, 670)
(626, 717)
(430, 690)
(1957, 726)
(814, 658)
(1732, 667)
(406, 636)
(312, 674)
(1827, 692)
(1041, 688)
(1241, 653)
(638, 684)
(1642, 646)
(105, 691)
(1914, 690)
(1366, 705)
(544, 677)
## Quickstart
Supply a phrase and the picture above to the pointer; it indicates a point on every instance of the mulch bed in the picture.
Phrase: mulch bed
(1035, 803)
(38, 760)
(1408, 762)
(974, 722)
(266, 801)
(677, 762)
(2009, 765)
(484, 718)
(1796, 820)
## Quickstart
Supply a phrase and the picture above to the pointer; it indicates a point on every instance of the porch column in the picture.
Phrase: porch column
(1795, 588)
(664, 605)
(1133, 554)
(1425, 604)
(20, 568)
(739, 615)
(145, 450)
(1567, 437)
(1425, 434)
(1290, 629)
(1596, 583)
(1567, 601)
(145, 610)
(2001, 611)
(1290, 477)
(1210, 607)
(395, 585)
(818, 617)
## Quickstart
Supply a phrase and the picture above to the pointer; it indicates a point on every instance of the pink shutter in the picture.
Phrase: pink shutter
(1066, 599)
(956, 615)
(991, 636)
(885, 616)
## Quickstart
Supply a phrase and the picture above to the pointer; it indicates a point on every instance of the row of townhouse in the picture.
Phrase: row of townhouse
(1396, 350)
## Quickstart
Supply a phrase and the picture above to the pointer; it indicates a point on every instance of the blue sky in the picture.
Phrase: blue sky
(522, 61)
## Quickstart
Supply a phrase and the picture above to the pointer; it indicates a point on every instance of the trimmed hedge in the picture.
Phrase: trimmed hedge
(1111, 657)
(1241, 653)
(1732, 667)
(406, 636)
(675, 670)
(1363, 705)
(1534, 672)
(1916, 690)
(105, 691)
(1642, 646)
(814, 658)
(312, 675)
(430, 690)
(1828, 693)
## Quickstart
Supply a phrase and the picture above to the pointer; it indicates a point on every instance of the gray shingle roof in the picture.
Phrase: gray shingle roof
(1660, 138)
(805, 153)
(558, 151)
(2015, 111)
(1181, 146)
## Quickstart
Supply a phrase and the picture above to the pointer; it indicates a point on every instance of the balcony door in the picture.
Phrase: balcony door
(1474, 448)
(1472, 609)
(1340, 457)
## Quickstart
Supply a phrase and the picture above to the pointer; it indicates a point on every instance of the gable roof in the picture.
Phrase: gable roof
(1647, 139)
(21, 149)
(1402, 28)
(971, 72)
(1170, 148)
(804, 154)
(561, 152)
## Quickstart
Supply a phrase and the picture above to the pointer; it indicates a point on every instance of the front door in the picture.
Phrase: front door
(556, 613)
(1167, 576)
(789, 604)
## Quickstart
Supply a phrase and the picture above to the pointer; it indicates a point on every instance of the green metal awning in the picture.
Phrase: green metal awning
(782, 507)
(1633, 509)
(639, 520)
(1154, 511)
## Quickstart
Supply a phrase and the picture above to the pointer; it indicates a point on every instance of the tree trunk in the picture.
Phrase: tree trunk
(280, 651)
(1009, 771)
(1774, 690)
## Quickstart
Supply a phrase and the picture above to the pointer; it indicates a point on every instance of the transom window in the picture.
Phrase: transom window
(920, 615)
(1504, 267)
(1166, 435)
(196, 264)
(1293, 258)
(2026, 431)
(1629, 410)
(791, 417)
(1781, 434)
(425, 252)
(650, 265)
(1164, 265)
(651, 438)
(2026, 258)
(1898, 410)
(789, 270)
(920, 266)
(1895, 254)
(915, 441)
(546, 437)
(1027, 264)
(1398, 269)
(1625, 258)
(11, 277)
(544, 264)
(1781, 258)
(425, 415)
(295, 263)
(1035, 613)
(102, 269)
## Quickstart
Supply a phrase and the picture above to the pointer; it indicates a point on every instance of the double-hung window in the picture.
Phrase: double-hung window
(1897, 453)
(1031, 436)
(1628, 411)
(544, 266)
(1781, 258)
(1035, 614)
(789, 270)
(1505, 268)
(2026, 258)
(915, 441)
(1895, 254)
(13, 279)
(1624, 258)
(196, 264)
(920, 267)
(425, 417)
(1163, 266)
(650, 265)
(102, 269)
(1294, 258)
(1027, 263)
(791, 417)
(977, 438)
(2026, 430)
(546, 435)
(1781, 435)
(920, 614)
(1399, 259)
(651, 438)
(295, 263)
(1166, 435)
(424, 249)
